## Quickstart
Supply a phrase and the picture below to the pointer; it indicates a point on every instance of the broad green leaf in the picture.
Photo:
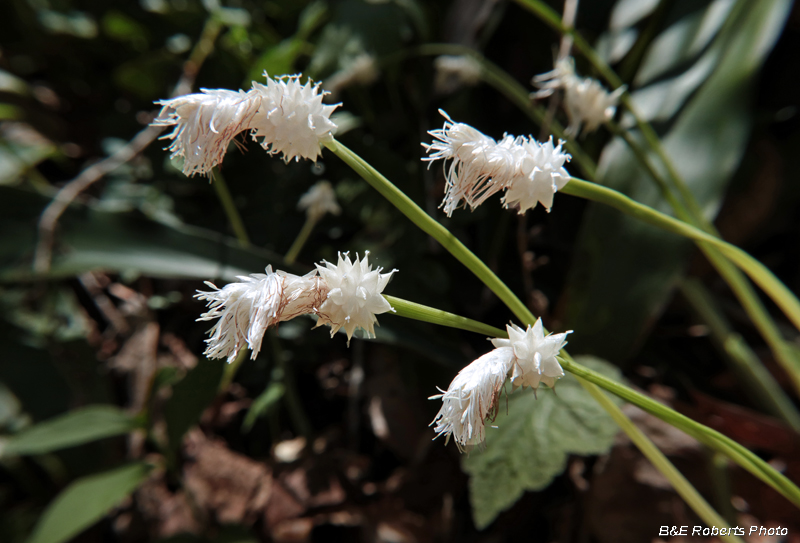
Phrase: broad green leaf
(89, 239)
(190, 397)
(74, 428)
(530, 446)
(624, 270)
(262, 405)
(86, 501)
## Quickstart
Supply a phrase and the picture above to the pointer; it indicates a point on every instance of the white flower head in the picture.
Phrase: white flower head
(479, 167)
(472, 397)
(354, 296)
(246, 308)
(586, 101)
(534, 355)
(542, 175)
(205, 124)
(289, 118)
(318, 200)
(453, 71)
(292, 119)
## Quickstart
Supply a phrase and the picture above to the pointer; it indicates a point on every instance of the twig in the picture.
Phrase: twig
(67, 194)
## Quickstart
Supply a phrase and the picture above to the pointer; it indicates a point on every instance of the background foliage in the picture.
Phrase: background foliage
(114, 427)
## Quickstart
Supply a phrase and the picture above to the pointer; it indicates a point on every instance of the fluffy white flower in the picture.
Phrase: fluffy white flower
(289, 118)
(246, 308)
(472, 398)
(452, 71)
(354, 296)
(542, 175)
(318, 200)
(534, 355)
(292, 119)
(480, 167)
(205, 124)
(528, 356)
(587, 102)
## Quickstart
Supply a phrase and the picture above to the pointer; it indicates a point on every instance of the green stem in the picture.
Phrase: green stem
(419, 312)
(702, 433)
(300, 240)
(759, 273)
(683, 487)
(230, 369)
(736, 281)
(224, 195)
(739, 454)
(755, 378)
(706, 435)
(431, 227)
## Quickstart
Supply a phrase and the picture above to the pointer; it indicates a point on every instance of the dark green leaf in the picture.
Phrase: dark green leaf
(89, 239)
(530, 446)
(74, 428)
(190, 397)
(262, 405)
(625, 270)
(86, 501)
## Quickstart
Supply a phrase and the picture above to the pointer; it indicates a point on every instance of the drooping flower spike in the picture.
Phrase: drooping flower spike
(586, 101)
(530, 172)
(284, 116)
(527, 357)
(347, 296)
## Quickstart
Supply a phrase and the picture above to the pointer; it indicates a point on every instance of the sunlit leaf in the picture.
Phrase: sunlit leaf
(530, 446)
(74, 428)
(86, 501)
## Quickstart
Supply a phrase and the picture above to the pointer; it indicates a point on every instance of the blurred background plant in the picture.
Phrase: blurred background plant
(115, 428)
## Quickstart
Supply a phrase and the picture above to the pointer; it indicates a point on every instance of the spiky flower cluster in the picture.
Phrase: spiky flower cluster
(586, 101)
(479, 167)
(354, 295)
(319, 200)
(347, 295)
(527, 357)
(287, 117)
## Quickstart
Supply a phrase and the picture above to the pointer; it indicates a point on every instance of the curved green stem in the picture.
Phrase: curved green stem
(300, 240)
(759, 273)
(688, 208)
(735, 279)
(225, 198)
(419, 312)
(739, 454)
(713, 439)
(706, 435)
(758, 382)
(683, 487)
(431, 227)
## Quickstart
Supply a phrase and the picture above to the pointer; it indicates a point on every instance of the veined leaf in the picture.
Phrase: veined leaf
(86, 501)
(530, 446)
